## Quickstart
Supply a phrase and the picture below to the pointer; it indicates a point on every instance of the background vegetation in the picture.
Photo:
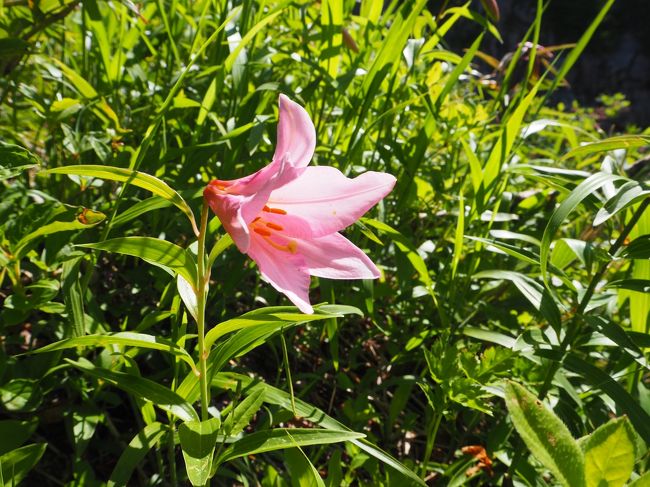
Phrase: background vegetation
(514, 246)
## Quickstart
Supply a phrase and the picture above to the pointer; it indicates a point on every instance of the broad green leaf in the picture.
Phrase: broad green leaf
(14, 433)
(613, 143)
(198, 439)
(610, 452)
(20, 395)
(547, 437)
(135, 453)
(582, 191)
(84, 424)
(123, 338)
(140, 387)
(136, 178)
(15, 465)
(282, 438)
(158, 252)
(14, 160)
(273, 395)
(301, 471)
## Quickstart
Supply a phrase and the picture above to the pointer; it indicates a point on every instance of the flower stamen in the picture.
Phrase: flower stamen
(290, 247)
(275, 226)
(262, 231)
(277, 211)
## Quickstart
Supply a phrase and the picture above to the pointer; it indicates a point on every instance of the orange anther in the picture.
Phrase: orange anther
(275, 210)
(262, 231)
(275, 226)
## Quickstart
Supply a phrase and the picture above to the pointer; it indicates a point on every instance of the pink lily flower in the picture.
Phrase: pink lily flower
(287, 216)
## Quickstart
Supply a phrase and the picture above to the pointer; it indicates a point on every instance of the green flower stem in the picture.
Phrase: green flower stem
(201, 292)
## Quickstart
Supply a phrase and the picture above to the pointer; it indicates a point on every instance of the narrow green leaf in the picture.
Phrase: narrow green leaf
(282, 438)
(87, 218)
(188, 295)
(275, 315)
(547, 437)
(140, 208)
(14, 160)
(638, 285)
(273, 395)
(452, 79)
(582, 191)
(536, 294)
(15, 465)
(222, 244)
(74, 303)
(613, 143)
(14, 433)
(599, 379)
(610, 452)
(244, 412)
(639, 248)
(252, 32)
(627, 195)
(301, 471)
(156, 251)
(136, 178)
(198, 439)
(150, 391)
(123, 338)
(406, 246)
(138, 448)
(643, 481)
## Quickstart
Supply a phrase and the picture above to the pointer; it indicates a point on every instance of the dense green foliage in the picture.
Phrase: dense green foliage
(514, 247)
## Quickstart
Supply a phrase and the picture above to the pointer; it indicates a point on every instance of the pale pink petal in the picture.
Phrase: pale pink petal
(323, 200)
(335, 257)
(285, 271)
(296, 134)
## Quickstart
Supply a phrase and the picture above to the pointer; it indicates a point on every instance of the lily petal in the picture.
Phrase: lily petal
(323, 200)
(335, 257)
(228, 207)
(296, 134)
(285, 271)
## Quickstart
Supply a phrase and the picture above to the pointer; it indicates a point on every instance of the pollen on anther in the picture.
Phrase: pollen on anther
(262, 231)
(275, 210)
(275, 226)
